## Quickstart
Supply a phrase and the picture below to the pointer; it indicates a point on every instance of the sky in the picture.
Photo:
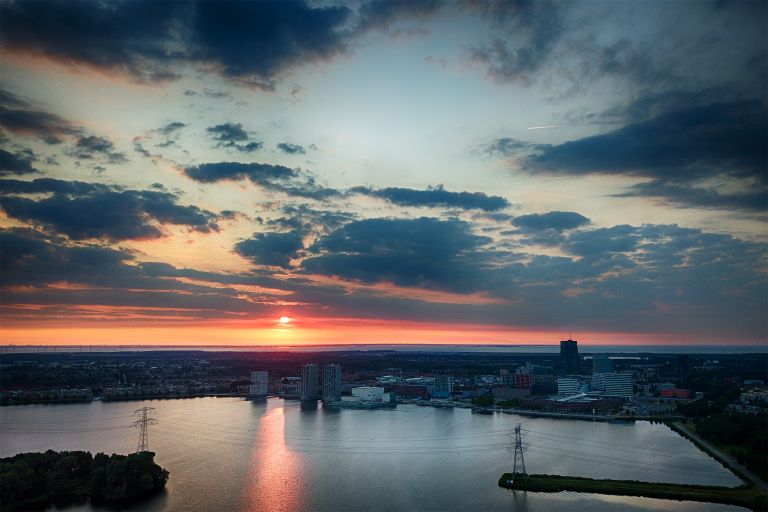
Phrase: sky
(383, 172)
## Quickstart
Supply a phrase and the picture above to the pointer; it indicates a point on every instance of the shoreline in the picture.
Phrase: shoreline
(744, 496)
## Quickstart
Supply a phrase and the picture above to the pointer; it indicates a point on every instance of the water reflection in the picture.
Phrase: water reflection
(230, 454)
(275, 476)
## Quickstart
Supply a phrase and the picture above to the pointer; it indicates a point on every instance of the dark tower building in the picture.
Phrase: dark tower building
(569, 356)
(682, 366)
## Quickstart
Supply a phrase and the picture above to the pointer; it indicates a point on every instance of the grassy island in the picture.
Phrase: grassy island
(34, 481)
(745, 496)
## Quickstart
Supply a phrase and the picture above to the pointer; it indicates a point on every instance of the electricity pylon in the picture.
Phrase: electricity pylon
(141, 424)
(519, 465)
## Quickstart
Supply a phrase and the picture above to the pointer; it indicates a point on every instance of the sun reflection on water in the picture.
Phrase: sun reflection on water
(275, 475)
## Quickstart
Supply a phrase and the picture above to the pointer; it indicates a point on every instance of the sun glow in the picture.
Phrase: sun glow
(284, 320)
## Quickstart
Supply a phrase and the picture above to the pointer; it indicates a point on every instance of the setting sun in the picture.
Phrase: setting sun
(284, 320)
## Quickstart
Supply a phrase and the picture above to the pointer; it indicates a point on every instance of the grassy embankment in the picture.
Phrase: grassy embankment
(744, 496)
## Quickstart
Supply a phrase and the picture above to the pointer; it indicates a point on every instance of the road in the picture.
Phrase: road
(723, 457)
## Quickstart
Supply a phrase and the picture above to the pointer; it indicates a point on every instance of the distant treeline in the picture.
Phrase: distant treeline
(34, 481)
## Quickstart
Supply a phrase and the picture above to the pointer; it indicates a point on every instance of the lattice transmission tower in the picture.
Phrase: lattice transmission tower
(141, 424)
(519, 465)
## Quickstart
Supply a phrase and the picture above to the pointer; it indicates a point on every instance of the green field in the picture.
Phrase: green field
(745, 496)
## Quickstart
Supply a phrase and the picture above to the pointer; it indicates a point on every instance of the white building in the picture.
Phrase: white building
(309, 374)
(614, 384)
(331, 383)
(368, 394)
(259, 384)
(568, 386)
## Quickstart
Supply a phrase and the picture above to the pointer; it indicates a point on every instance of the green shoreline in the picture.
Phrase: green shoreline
(745, 496)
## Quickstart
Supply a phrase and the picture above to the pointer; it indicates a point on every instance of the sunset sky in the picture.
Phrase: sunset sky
(383, 172)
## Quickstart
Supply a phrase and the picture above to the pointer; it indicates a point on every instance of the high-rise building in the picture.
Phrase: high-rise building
(568, 386)
(259, 384)
(569, 356)
(331, 383)
(602, 364)
(614, 384)
(309, 375)
(443, 386)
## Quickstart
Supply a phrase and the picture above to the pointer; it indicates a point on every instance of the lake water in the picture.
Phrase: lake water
(227, 454)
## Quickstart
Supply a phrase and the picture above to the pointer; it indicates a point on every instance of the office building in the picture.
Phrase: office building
(259, 384)
(309, 374)
(569, 356)
(614, 384)
(602, 364)
(331, 383)
(568, 386)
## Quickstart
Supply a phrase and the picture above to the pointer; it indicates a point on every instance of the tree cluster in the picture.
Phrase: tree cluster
(34, 481)
(745, 436)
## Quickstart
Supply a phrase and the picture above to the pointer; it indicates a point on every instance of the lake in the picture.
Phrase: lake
(228, 454)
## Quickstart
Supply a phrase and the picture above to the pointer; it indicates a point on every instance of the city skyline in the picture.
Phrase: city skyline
(286, 173)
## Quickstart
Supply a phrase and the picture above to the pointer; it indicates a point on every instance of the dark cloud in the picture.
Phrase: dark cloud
(721, 138)
(438, 254)
(29, 257)
(623, 238)
(255, 42)
(84, 210)
(273, 249)
(21, 118)
(381, 14)
(650, 278)
(97, 148)
(260, 174)
(52, 185)
(527, 33)
(755, 199)
(556, 221)
(105, 278)
(276, 178)
(312, 219)
(291, 149)
(171, 128)
(435, 197)
(132, 37)
(506, 147)
(17, 163)
(233, 135)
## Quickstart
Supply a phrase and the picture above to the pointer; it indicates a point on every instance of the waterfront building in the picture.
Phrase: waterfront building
(288, 387)
(568, 386)
(309, 374)
(368, 394)
(614, 384)
(569, 356)
(602, 364)
(443, 386)
(259, 384)
(331, 383)
(576, 404)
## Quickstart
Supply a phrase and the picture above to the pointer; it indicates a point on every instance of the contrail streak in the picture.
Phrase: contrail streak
(542, 127)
